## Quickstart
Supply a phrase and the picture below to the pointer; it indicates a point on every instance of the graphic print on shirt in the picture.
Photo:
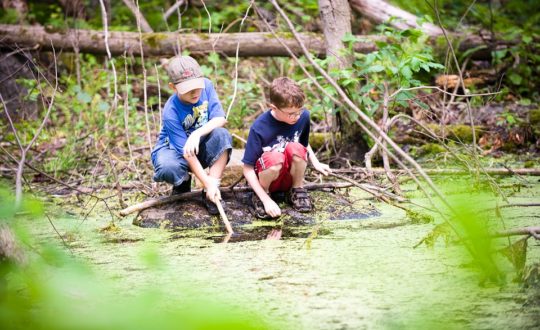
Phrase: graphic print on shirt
(199, 117)
(282, 142)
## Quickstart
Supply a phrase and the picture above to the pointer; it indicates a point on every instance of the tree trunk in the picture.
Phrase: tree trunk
(336, 23)
(380, 12)
(13, 67)
(165, 44)
(145, 27)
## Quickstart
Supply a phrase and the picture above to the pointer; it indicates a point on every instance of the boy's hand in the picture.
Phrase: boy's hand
(323, 168)
(191, 148)
(213, 193)
(271, 208)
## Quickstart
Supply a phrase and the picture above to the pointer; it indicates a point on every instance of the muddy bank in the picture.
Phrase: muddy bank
(191, 213)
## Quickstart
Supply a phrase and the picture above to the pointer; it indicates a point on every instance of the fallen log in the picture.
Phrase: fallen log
(167, 43)
(380, 12)
(175, 198)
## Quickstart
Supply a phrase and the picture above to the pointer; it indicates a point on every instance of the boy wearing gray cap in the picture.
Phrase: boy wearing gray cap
(192, 137)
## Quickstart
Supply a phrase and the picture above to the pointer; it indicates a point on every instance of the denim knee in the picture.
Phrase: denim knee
(222, 134)
(169, 167)
(174, 174)
(215, 144)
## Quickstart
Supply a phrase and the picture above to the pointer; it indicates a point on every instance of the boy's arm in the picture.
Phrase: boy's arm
(216, 118)
(191, 148)
(270, 206)
(323, 168)
(210, 184)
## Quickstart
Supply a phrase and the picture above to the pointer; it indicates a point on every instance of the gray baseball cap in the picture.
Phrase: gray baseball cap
(185, 73)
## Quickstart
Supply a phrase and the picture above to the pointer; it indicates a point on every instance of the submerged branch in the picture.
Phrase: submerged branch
(533, 231)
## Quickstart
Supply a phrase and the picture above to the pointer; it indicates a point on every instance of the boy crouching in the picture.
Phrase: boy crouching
(192, 135)
(277, 151)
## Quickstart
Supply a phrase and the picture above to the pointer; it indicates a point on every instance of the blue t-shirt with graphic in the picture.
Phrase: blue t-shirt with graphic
(181, 119)
(269, 134)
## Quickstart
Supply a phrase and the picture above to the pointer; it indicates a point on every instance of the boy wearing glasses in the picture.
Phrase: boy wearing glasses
(277, 151)
(192, 136)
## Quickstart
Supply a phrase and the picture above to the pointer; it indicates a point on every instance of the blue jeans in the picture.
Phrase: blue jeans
(171, 167)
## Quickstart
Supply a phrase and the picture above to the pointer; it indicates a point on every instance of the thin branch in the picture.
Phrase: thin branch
(61, 237)
(442, 91)
(138, 15)
(109, 57)
(20, 163)
(173, 8)
(461, 80)
(236, 62)
(145, 92)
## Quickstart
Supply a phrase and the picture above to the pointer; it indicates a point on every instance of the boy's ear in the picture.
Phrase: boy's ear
(171, 85)
(273, 107)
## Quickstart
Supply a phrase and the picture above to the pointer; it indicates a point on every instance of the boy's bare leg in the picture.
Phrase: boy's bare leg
(268, 176)
(298, 169)
(216, 170)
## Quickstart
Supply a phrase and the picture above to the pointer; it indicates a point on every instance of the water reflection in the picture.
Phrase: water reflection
(260, 233)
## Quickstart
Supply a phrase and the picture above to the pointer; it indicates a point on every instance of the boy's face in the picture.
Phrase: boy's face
(289, 115)
(190, 97)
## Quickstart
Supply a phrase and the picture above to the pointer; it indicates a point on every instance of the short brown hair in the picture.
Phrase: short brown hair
(285, 92)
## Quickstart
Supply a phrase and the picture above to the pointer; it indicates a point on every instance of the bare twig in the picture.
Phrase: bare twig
(61, 237)
(375, 191)
(461, 80)
(236, 61)
(117, 183)
(75, 188)
(24, 150)
(110, 60)
(172, 9)
(440, 90)
(145, 92)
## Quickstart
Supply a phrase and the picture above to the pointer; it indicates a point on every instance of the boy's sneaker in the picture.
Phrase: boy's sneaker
(258, 207)
(184, 187)
(300, 199)
(210, 206)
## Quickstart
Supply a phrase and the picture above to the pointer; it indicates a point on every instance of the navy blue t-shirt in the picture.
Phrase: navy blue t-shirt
(181, 119)
(269, 134)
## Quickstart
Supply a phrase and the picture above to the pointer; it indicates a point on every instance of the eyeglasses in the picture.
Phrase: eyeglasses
(292, 115)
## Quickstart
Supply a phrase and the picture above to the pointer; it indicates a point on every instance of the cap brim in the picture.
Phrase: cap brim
(189, 85)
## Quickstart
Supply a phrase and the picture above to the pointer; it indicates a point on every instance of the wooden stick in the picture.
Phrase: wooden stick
(224, 217)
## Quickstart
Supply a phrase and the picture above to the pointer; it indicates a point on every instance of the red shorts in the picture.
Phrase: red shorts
(272, 158)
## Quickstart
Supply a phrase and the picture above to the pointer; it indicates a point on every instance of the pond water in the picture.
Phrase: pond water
(361, 273)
